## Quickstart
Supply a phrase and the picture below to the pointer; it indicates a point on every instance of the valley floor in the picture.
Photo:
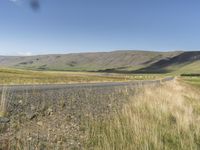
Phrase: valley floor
(10, 76)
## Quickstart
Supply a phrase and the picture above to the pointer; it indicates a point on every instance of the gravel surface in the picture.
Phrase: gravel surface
(54, 114)
(15, 88)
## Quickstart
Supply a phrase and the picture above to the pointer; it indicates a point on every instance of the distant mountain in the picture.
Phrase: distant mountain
(116, 61)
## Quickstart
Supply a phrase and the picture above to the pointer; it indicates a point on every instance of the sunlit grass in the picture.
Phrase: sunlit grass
(192, 80)
(16, 76)
(3, 103)
(165, 117)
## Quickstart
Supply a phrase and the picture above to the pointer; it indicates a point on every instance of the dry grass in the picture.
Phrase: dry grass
(17, 76)
(165, 117)
(3, 103)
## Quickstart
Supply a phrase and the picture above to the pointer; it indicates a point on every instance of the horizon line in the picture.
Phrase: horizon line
(109, 51)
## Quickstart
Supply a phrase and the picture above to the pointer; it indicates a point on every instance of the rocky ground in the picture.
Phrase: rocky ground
(56, 119)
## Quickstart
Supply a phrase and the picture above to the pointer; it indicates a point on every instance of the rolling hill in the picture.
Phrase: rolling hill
(116, 61)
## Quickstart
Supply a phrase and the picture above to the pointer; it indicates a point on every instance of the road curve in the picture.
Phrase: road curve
(16, 88)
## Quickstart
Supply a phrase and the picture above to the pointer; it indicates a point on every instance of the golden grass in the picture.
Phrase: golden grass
(3, 103)
(165, 117)
(18, 76)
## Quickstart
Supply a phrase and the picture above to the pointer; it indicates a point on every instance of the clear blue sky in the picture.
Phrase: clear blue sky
(65, 26)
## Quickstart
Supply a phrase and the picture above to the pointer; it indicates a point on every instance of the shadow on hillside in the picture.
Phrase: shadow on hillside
(161, 66)
(114, 70)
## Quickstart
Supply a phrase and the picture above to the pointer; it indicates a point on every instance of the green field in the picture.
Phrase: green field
(192, 80)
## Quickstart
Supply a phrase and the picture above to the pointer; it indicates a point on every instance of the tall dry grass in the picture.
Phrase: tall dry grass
(165, 117)
(3, 103)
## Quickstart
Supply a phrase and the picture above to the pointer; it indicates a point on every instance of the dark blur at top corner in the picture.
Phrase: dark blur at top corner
(35, 5)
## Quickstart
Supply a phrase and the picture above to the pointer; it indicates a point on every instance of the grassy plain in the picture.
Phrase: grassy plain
(17, 76)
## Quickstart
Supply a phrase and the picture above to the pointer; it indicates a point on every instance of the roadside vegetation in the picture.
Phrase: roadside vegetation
(3, 103)
(165, 117)
(193, 80)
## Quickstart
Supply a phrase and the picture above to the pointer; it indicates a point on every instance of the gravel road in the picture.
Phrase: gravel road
(93, 98)
(42, 87)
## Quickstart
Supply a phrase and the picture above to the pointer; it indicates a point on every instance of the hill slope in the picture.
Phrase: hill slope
(116, 61)
(87, 61)
(186, 62)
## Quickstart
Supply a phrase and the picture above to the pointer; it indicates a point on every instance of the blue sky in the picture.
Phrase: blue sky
(66, 26)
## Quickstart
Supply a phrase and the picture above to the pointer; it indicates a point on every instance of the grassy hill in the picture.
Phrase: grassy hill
(116, 61)
(185, 62)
